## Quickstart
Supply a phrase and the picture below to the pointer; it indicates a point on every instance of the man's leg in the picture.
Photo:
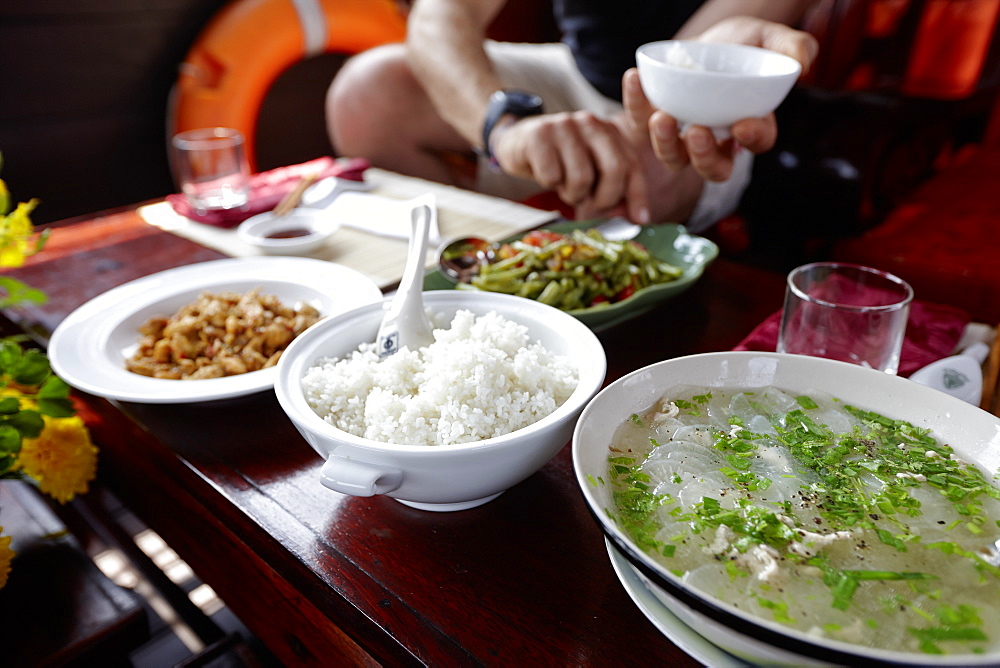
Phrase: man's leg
(376, 109)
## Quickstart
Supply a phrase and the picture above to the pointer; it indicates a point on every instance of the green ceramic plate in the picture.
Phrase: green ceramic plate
(668, 242)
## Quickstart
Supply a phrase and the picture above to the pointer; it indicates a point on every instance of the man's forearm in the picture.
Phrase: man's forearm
(445, 44)
(789, 12)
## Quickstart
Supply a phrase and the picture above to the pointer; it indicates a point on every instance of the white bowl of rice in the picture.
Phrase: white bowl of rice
(452, 425)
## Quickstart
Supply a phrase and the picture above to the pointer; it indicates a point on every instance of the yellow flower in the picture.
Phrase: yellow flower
(16, 235)
(62, 459)
(6, 555)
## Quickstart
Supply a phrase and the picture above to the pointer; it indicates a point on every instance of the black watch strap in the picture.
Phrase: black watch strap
(514, 102)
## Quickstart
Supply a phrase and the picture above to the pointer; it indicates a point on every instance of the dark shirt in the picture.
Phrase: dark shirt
(604, 34)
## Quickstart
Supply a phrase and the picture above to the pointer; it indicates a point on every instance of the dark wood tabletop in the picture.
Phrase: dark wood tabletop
(329, 579)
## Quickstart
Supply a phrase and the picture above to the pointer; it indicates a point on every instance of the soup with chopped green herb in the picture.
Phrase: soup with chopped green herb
(823, 516)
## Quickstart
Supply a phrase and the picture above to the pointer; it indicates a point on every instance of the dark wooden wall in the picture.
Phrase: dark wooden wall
(83, 98)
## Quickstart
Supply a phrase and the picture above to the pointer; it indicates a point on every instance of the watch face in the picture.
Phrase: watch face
(514, 102)
(519, 102)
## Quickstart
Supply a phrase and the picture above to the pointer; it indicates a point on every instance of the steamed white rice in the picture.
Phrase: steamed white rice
(481, 378)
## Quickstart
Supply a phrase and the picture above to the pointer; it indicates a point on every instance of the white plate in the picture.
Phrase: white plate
(972, 432)
(89, 348)
(696, 645)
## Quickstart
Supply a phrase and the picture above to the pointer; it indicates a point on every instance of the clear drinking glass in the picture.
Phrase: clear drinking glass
(211, 168)
(845, 312)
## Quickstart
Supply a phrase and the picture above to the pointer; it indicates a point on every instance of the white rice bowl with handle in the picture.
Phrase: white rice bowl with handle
(397, 457)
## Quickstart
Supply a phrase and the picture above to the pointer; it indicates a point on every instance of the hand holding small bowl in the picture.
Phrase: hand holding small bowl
(714, 84)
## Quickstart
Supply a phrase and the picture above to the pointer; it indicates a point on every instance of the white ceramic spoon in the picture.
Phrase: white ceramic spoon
(406, 322)
(322, 193)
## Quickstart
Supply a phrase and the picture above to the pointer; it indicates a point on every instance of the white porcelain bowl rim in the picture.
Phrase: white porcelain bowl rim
(255, 230)
(794, 67)
(293, 364)
(838, 652)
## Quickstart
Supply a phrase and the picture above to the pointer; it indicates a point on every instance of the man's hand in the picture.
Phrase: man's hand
(753, 31)
(585, 159)
(698, 147)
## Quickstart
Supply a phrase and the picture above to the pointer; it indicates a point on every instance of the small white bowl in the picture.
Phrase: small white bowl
(714, 84)
(439, 477)
(301, 231)
(973, 433)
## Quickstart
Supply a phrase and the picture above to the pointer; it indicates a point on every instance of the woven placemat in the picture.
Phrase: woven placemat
(460, 213)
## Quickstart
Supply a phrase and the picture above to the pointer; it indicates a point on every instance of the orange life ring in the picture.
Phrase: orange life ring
(246, 46)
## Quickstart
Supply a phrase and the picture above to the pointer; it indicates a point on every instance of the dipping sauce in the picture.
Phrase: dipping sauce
(293, 233)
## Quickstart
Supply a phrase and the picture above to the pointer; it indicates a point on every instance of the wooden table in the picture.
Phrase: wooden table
(324, 578)
(59, 608)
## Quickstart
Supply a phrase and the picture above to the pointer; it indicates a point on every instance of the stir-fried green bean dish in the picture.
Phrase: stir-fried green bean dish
(573, 271)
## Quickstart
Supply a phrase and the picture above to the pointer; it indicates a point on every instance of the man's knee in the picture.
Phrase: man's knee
(367, 86)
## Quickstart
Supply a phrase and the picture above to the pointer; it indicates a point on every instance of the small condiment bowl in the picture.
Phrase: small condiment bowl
(714, 84)
(300, 232)
(459, 260)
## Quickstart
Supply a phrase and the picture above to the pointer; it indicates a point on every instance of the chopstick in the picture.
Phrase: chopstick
(292, 199)
(991, 376)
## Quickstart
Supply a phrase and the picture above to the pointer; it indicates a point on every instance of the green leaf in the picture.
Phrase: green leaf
(9, 405)
(54, 387)
(779, 609)
(57, 408)
(806, 402)
(887, 538)
(930, 637)
(10, 439)
(10, 353)
(29, 423)
(33, 369)
(13, 293)
(843, 591)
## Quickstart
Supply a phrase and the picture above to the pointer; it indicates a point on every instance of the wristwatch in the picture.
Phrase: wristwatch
(517, 103)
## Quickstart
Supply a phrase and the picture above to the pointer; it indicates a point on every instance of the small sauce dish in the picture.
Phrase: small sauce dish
(299, 232)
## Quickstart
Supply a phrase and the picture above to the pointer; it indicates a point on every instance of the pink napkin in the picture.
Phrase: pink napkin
(267, 189)
(932, 332)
